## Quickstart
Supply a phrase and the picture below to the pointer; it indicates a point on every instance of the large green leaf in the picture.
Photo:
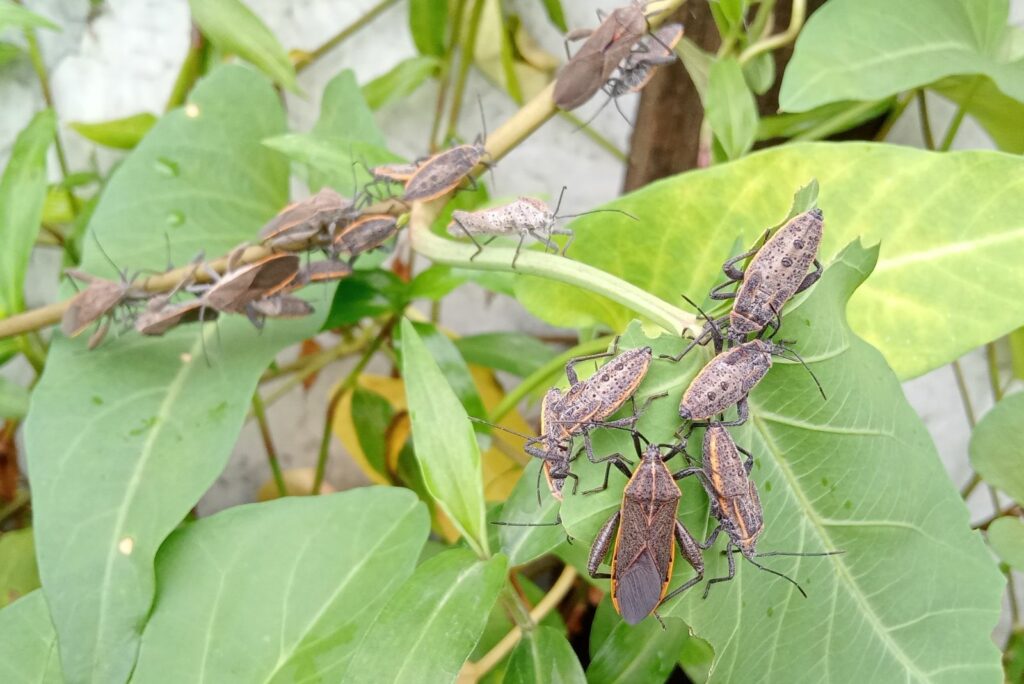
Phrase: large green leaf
(445, 443)
(998, 114)
(403, 79)
(950, 228)
(915, 593)
(635, 653)
(869, 49)
(429, 627)
(427, 21)
(532, 511)
(995, 446)
(123, 440)
(13, 14)
(18, 572)
(516, 353)
(22, 193)
(123, 134)
(28, 651)
(313, 572)
(234, 29)
(544, 655)
(730, 108)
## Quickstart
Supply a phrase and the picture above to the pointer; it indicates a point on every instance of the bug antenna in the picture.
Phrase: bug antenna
(515, 524)
(809, 554)
(800, 359)
(622, 113)
(559, 205)
(779, 574)
(710, 321)
(124, 275)
(599, 211)
(589, 121)
(500, 427)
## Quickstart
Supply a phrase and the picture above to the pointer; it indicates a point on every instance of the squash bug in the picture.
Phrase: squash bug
(308, 223)
(646, 532)
(443, 172)
(524, 217)
(160, 316)
(239, 286)
(366, 232)
(777, 271)
(387, 175)
(607, 45)
(735, 504)
(729, 377)
(276, 306)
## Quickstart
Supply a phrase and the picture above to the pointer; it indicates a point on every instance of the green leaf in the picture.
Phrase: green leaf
(847, 51)
(695, 659)
(447, 357)
(312, 571)
(553, 8)
(122, 441)
(937, 247)
(435, 282)
(730, 108)
(499, 624)
(345, 114)
(445, 444)
(18, 572)
(759, 72)
(22, 193)
(516, 353)
(28, 651)
(234, 29)
(999, 114)
(1006, 536)
(13, 399)
(698, 64)
(429, 627)
(16, 16)
(372, 415)
(366, 294)
(524, 542)
(915, 593)
(427, 22)
(335, 162)
(9, 52)
(995, 447)
(635, 653)
(544, 655)
(821, 122)
(121, 134)
(1014, 658)
(402, 80)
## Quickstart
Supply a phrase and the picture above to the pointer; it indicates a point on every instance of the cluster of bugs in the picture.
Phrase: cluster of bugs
(618, 57)
(643, 534)
(262, 289)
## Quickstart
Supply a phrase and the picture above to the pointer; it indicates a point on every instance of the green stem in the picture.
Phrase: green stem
(339, 391)
(275, 465)
(926, 126)
(965, 396)
(310, 57)
(894, 115)
(36, 57)
(446, 73)
(602, 142)
(542, 374)
(796, 22)
(993, 372)
(553, 267)
(188, 74)
(468, 49)
(836, 123)
(958, 118)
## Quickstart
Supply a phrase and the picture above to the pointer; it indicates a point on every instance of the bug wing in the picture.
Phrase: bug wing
(638, 589)
(89, 304)
(582, 76)
(274, 272)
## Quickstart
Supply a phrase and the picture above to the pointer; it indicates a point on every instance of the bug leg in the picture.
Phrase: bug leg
(565, 231)
(743, 412)
(811, 277)
(617, 462)
(602, 543)
(575, 482)
(732, 570)
(615, 101)
(717, 294)
(570, 367)
(479, 247)
(519, 248)
(573, 36)
(690, 550)
(749, 464)
(729, 267)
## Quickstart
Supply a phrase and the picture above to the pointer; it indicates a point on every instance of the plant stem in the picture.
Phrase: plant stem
(550, 266)
(307, 58)
(466, 59)
(446, 73)
(314, 365)
(993, 372)
(926, 126)
(339, 391)
(958, 117)
(894, 115)
(188, 73)
(539, 376)
(1011, 510)
(474, 671)
(268, 443)
(36, 57)
(836, 123)
(796, 22)
(965, 396)
(970, 486)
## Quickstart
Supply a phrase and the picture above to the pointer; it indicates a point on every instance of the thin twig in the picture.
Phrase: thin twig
(796, 22)
(304, 59)
(472, 672)
(894, 114)
(446, 74)
(958, 117)
(965, 396)
(468, 50)
(926, 126)
(993, 372)
(268, 443)
(339, 391)
(1013, 510)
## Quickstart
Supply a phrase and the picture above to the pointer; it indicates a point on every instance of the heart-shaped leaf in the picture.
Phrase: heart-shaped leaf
(28, 651)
